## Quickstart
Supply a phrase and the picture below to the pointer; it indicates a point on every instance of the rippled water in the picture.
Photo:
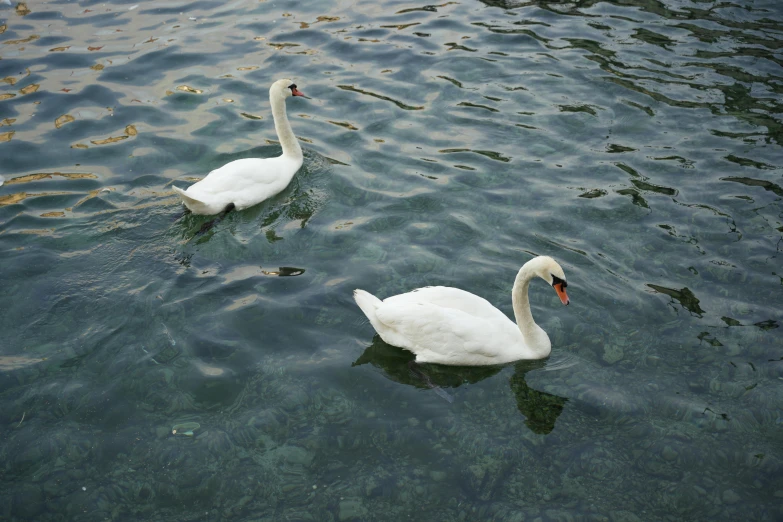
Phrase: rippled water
(636, 141)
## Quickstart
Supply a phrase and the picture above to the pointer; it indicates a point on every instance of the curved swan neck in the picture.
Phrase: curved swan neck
(521, 301)
(286, 136)
(535, 338)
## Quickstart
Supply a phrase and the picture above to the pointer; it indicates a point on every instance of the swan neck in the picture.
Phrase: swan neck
(535, 338)
(285, 134)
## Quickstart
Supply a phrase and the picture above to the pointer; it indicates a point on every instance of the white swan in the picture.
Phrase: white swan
(246, 182)
(450, 326)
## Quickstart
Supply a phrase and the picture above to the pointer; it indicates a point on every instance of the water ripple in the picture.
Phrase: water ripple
(637, 142)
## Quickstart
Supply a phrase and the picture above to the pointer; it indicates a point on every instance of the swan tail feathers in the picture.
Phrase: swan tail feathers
(195, 206)
(369, 305)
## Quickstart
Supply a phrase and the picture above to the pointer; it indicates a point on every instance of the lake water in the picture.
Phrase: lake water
(152, 370)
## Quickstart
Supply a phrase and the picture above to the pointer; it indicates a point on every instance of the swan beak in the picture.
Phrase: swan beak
(561, 293)
(296, 92)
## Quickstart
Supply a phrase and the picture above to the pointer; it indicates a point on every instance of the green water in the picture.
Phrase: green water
(638, 142)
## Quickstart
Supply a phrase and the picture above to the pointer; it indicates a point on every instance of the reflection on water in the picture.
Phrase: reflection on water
(684, 296)
(540, 409)
(636, 141)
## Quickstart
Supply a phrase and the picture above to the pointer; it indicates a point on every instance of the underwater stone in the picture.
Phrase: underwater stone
(669, 454)
(351, 509)
(560, 516)
(514, 517)
(103, 504)
(372, 488)
(623, 516)
(296, 455)
(730, 497)
(483, 477)
(612, 353)
(186, 428)
(52, 486)
(697, 386)
(144, 493)
(76, 474)
(216, 440)
(438, 476)
(29, 502)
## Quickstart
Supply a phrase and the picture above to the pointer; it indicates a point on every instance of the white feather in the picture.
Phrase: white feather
(451, 326)
(247, 182)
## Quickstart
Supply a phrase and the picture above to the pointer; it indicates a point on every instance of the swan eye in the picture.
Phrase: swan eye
(292, 87)
(557, 281)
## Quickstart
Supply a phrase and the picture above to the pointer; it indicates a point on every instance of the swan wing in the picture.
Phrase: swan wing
(454, 298)
(246, 182)
(444, 335)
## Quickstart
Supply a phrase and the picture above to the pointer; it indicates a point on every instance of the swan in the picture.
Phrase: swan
(445, 325)
(246, 182)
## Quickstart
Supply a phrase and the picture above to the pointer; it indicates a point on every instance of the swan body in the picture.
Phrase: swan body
(247, 182)
(450, 326)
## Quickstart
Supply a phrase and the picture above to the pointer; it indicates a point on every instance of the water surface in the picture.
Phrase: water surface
(637, 142)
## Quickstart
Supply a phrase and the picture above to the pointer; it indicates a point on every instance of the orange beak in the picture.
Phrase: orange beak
(561, 293)
(296, 92)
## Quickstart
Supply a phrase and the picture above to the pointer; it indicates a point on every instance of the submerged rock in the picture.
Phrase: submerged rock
(186, 428)
(613, 353)
(481, 479)
(29, 501)
(623, 516)
(351, 509)
(730, 497)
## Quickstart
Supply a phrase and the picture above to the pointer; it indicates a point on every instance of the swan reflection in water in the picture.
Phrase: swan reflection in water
(540, 409)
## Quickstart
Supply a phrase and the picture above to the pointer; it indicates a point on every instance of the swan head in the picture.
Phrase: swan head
(284, 88)
(550, 271)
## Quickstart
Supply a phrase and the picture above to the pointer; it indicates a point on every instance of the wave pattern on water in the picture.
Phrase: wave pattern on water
(638, 142)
